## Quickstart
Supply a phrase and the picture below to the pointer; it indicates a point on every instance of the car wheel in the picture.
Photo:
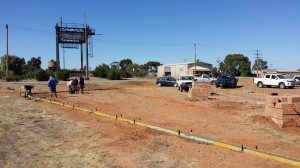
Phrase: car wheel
(212, 82)
(181, 89)
(159, 84)
(260, 84)
(281, 85)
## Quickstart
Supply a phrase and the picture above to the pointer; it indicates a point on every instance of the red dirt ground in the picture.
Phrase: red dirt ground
(58, 136)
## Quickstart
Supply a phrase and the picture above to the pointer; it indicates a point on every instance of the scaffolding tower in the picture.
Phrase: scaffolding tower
(71, 35)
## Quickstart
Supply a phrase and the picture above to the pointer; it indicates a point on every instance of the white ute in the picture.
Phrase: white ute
(184, 78)
(274, 80)
(205, 79)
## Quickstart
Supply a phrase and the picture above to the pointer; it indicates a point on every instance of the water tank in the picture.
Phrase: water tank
(52, 64)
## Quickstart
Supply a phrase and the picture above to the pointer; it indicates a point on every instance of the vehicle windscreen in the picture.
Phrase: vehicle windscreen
(281, 77)
(224, 77)
(186, 78)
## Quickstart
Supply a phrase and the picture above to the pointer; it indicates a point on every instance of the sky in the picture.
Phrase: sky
(157, 30)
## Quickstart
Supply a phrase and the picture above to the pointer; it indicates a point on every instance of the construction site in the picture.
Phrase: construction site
(134, 123)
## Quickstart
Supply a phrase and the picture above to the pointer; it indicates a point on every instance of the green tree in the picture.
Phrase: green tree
(261, 64)
(115, 64)
(114, 74)
(35, 63)
(124, 63)
(15, 64)
(42, 75)
(215, 72)
(101, 71)
(63, 75)
(151, 66)
(236, 64)
(32, 67)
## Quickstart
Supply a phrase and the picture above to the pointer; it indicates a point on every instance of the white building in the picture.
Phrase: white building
(186, 68)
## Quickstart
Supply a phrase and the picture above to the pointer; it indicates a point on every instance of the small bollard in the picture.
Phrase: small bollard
(256, 147)
(73, 106)
(242, 148)
(133, 121)
(116, 116)
(191, 132)
(178, 132)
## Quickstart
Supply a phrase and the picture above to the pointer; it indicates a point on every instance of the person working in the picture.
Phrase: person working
(81, 84)
(52, 82)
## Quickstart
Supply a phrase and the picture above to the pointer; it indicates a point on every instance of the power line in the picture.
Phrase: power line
(127, 43)
(114, 42)
(32, 30)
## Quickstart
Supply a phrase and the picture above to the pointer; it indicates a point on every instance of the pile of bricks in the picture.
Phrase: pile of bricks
(200, 90)
(284, 110)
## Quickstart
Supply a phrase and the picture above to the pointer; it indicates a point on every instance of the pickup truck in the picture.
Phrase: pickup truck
(205, 78)
(184, 78)
(274, 80)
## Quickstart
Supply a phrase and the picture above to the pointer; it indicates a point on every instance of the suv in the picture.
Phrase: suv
(297, 79)
(226, 81)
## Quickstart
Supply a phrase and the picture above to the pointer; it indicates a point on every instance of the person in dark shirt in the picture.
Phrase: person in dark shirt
(81, 84)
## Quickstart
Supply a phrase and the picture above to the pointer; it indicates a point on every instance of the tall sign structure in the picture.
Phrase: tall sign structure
(71, 35)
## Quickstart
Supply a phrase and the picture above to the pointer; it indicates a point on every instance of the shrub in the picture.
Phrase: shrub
(42, 75)
(2, 74)
(63, 75)
(114, 74)
(101, 71)
(13, 78)
(125, 74)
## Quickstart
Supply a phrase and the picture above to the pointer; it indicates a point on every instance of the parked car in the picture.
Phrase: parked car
(166, 81)
(184, 78)
(226, 81)
(205, 78)
(276, 80)
(297, 79)
(185, 86)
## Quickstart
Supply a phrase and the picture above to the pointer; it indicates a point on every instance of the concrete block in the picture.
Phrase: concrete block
(268, 111)
(290, 116)
(270, 99)
(279, 122)
(283, 99)
(293, 99)
(270, 104)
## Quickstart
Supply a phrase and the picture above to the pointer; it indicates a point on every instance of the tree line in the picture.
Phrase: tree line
(236, 64)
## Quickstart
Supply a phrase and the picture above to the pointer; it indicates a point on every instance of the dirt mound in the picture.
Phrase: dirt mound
(259, 119)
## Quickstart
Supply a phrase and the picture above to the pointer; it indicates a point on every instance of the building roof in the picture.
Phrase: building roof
(183, 63)
(199, 68)
(279, 70)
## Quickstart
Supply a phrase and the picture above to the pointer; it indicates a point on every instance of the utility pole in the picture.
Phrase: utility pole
(218, 62)
(64, 57)
(87, 47)
(6, 50)
(195, 59)
(257, 57)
